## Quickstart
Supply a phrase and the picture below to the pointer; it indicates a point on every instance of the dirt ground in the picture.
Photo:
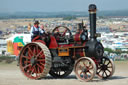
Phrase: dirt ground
(10, 74)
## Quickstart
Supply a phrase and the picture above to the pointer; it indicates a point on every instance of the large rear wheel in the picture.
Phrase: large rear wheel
(35, 60)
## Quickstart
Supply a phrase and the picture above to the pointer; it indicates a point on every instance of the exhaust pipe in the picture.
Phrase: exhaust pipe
(92, 17)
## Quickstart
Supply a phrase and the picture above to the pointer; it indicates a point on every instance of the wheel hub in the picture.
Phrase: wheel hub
(104, 67)
(33, 61)
(84, 70)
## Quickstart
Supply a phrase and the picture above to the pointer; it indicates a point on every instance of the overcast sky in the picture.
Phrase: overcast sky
(60, 5)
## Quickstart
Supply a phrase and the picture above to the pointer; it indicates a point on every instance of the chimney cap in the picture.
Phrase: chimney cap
(92, 7)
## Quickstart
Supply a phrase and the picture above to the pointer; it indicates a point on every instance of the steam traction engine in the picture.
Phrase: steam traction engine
(60, 52)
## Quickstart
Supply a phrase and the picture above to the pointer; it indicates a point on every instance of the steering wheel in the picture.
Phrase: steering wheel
(61, 32)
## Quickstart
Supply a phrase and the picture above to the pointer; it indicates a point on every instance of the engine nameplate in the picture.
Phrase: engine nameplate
(63, 51)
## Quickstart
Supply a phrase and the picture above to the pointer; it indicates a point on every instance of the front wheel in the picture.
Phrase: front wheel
(105, 68)
(85, 69)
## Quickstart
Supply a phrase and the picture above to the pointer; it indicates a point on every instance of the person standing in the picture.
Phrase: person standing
(36, 30)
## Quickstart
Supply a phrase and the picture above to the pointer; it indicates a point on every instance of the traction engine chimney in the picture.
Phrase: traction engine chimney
(92, 17)
(94, 48)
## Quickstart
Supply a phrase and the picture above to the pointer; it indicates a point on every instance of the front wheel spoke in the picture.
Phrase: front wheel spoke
(109, 67)
(90, 68)
(104, 61)
(106, 74)
(108, 63)
(84, 75)
(85, 65)
(103, 73)
(109, 71)
(90, 65)
(87, 76)
(81, 72)
(99, 67)
(79, 67)
(89, 72)
(99, 71)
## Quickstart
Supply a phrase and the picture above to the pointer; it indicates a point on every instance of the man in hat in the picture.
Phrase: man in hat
(36, 30)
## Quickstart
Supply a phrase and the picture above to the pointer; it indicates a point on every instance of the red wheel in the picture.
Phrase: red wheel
(61, 32)
(35, 60)
(105, 68)
(85, 69)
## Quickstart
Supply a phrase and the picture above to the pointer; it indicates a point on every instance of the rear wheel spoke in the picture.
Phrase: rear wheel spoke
(40, 67)
(26, 66)
(42, 64)
(39, 53)
(30, 51)
(37, 48)
(34, 51)
(43, 60)
(32, 71)
(27, 57)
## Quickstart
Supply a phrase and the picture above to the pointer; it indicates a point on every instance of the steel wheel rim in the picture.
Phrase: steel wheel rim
(32, 61)
(87, 71)
(105, 69)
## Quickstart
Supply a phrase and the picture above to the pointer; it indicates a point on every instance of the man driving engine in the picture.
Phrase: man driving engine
(36, 30)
